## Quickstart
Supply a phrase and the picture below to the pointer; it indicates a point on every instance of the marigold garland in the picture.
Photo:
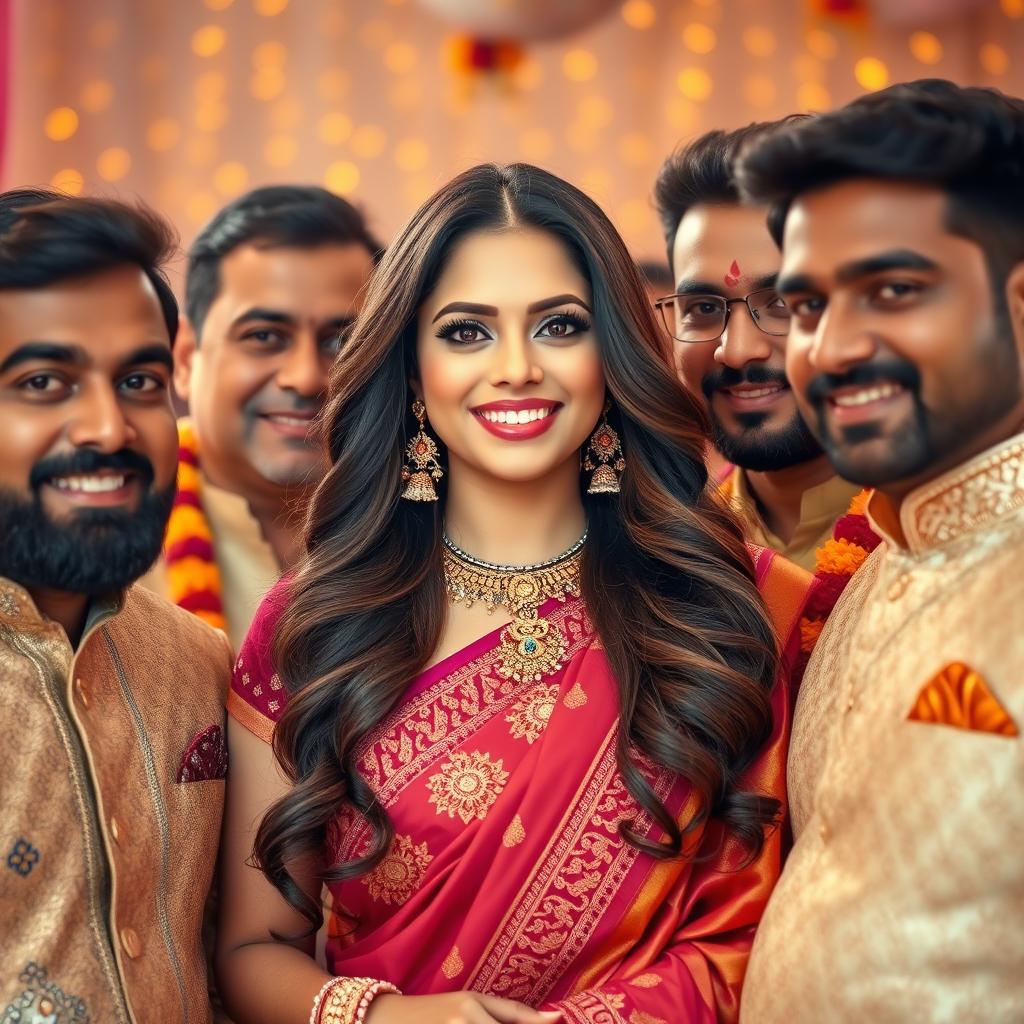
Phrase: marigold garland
(835, 563)
(193, 577)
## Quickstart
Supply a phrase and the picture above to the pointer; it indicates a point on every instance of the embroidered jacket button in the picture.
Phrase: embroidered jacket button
(115, 830)
(83, 692)
(131, 943)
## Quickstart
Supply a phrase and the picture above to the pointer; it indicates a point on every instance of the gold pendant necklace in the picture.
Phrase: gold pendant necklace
(530, 648)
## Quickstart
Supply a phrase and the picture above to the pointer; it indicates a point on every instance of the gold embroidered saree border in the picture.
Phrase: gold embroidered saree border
(586, 861)
(246, 715)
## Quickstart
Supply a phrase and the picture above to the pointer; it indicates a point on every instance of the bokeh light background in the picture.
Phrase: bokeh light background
(187, 103)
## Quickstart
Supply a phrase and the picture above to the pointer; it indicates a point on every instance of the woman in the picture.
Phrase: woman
(525, 694)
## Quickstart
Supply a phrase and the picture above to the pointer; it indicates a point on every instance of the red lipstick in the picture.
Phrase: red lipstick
(524, 418)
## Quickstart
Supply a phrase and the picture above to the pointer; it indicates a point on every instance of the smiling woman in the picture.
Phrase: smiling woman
(530, 719)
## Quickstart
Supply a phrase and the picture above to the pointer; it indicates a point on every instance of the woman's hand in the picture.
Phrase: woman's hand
(454, 1008)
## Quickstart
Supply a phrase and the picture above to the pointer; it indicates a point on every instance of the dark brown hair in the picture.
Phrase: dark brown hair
(271, 217)
(48, 236)
(667, 578)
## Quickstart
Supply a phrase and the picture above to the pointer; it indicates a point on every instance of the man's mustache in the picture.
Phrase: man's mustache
(897, 371)
(729, 377)
(86, 460)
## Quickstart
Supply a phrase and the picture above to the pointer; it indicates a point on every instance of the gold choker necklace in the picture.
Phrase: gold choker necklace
(529, 649)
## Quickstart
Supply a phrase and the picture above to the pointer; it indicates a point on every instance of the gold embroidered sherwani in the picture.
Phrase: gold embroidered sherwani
(112, 765)
(903, 897)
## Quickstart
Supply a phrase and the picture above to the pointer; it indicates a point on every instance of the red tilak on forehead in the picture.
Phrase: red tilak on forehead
(733, 276)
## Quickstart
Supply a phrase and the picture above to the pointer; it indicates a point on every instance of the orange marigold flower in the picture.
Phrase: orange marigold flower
(859, 504)
(810, 630)
(840, 557)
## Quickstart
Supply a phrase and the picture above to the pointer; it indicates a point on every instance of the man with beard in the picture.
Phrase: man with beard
(729, 325)
(112, 756)
(272, 282)
(902, 223)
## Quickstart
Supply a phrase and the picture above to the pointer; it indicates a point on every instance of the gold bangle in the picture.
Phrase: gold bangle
(346, 1000)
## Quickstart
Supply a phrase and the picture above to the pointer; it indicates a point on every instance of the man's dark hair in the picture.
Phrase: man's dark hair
(297, 216)
(968, 142)
(47, 237)
(703, 171)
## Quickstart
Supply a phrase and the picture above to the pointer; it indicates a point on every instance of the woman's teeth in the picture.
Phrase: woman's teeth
(513, 416)
(850, 399)
(88, 484)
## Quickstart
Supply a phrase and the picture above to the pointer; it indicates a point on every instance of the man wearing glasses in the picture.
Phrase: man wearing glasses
(730, 326)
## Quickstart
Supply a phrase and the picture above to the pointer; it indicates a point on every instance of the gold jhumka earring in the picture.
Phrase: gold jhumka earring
(604, 458)
(422, 452)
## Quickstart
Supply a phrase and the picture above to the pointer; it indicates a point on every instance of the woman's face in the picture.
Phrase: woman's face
(509, 366)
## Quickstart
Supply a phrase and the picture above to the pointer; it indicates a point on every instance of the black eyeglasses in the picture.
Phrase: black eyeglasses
(698, 318)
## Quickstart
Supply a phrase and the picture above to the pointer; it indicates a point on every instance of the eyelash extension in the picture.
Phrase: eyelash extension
(579, 322)
(445, 331)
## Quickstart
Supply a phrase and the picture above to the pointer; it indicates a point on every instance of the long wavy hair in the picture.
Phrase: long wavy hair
(667, 579)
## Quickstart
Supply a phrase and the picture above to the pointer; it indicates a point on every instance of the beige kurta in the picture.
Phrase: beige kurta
(903, 897)
(247, 565)
(820, 507)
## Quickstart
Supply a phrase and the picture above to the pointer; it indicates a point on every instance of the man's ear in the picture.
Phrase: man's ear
(1015, 303)
(185, 345)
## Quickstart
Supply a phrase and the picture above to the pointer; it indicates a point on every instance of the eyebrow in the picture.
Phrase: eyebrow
(706, 288)
(44, 352)
(150, 354)
(895, 259)
(272, 316)
(556, 300)
(534, 307)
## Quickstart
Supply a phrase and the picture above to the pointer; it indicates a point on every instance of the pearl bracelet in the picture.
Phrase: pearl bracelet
(346, 1000)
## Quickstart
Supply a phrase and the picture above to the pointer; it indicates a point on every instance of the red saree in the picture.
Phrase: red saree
(507, 874)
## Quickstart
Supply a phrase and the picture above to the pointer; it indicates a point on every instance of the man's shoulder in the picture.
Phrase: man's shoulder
(152, 616)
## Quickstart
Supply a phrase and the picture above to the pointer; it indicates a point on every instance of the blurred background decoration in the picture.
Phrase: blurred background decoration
(187, 103)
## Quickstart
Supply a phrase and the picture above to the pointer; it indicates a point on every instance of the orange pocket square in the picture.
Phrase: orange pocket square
(959, 697)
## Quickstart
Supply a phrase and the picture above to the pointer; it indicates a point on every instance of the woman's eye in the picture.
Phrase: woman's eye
(465, 332)
(564, 325)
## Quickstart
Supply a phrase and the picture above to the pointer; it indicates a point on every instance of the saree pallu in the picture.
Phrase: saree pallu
(508, 873)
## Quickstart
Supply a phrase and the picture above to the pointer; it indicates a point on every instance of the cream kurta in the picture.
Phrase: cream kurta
(903, 897)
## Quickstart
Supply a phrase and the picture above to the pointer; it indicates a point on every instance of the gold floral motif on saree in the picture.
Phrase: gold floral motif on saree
(401, 871)
(529, 717)
(442, 718)
(646, 980)
(452, 965)
(514, 834)
(467, 785)
(582, 870)
(576, 697)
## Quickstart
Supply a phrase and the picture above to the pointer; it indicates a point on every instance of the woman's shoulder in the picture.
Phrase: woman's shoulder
(258, 696)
